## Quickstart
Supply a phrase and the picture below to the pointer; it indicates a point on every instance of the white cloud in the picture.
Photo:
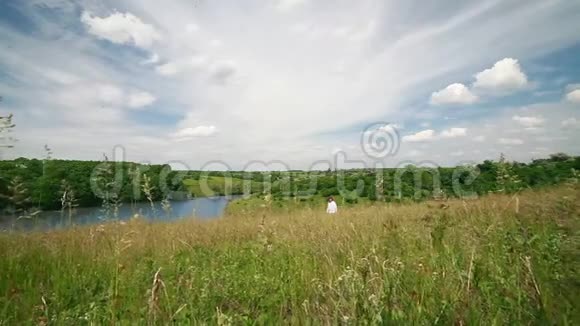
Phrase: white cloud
(415, 153)
(454, 132)
(479, 139)
(364, 32)
(505, 76)
(58, 76)
(190, 133)
(192, 28)
(390, 129)
(167, 69)
(282, 77)
(573, 96)
(421, 136)
(105, 96)
(216, 43)
(154, 58)
(140, 99)
(182, 66)
(286, 5)
(121, 28)
(453, 94)
(108, 94)
(571, 123)
(430, 134)
(197, 61)
(510, 141)
(529, 122)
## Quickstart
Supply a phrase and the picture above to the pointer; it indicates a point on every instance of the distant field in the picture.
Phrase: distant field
(288, 204)
(499, 260)
(215, 186)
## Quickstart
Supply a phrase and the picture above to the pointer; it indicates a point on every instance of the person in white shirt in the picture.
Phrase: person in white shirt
(331, 208)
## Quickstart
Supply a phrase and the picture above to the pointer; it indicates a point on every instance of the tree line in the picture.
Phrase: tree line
(50, 184)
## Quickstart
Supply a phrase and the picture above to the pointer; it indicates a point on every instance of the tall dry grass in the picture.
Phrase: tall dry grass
(496, 260)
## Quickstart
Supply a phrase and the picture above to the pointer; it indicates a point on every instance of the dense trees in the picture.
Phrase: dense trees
(63, 184)
(92, 182)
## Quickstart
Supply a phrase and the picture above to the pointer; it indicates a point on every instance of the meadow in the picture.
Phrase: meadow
(497, 260)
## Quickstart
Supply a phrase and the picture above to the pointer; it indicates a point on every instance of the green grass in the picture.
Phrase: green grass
(280, 205)
(495, 261)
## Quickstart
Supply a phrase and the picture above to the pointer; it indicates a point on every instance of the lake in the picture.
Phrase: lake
(203, 208)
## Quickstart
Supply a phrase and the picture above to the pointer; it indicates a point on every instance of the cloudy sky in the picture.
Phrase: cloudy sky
(197, 81)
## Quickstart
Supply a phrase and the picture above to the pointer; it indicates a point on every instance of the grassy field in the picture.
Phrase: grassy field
(499, 260)
(249, 205)
(214, 186)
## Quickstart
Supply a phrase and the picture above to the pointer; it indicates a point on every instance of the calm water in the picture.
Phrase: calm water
(204, 208)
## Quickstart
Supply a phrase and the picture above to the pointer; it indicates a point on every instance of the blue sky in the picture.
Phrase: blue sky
(290, 80)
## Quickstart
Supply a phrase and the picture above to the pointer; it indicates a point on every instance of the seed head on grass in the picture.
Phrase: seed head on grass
(156, 289)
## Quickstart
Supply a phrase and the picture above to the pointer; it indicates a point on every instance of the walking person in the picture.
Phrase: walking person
(331, 208)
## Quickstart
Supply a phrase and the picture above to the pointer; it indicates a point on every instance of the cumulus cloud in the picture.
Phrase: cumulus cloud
(573, 96)
(182, 66)
(121, 28)
(103, 95)
(285, 78)
(510, 141)
(529, 122)
(453, 94)
(421, 136)
(454, 132)
(190, 133)
(505, 76)
(140, 99)
(430, 134)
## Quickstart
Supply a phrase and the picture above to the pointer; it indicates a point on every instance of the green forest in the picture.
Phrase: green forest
(51, 184)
